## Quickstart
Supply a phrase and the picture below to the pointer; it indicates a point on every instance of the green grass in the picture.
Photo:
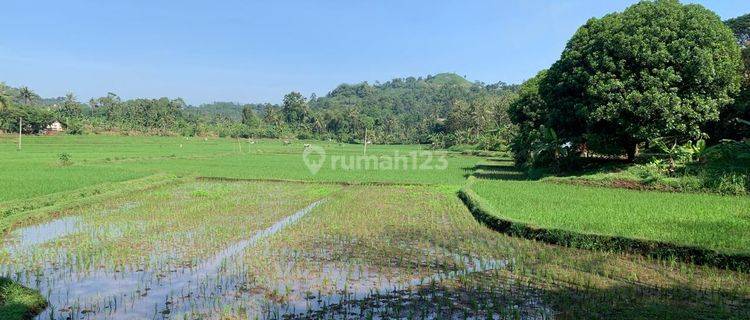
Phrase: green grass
(36, 169)
(18, 302)
(701, 220)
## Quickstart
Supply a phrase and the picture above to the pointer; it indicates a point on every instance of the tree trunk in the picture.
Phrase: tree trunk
(632, 152)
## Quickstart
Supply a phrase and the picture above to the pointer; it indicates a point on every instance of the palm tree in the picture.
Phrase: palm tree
(26, 94)
(4, 101)
(70, 98)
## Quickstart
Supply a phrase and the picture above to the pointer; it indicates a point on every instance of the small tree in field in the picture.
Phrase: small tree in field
(659, 69)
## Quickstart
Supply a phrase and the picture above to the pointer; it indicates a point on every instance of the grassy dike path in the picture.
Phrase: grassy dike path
(698, 228)
(19, 302)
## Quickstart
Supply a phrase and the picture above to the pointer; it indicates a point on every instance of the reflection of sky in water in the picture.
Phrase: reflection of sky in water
(25, 238)
(134, 294)
(221, 280)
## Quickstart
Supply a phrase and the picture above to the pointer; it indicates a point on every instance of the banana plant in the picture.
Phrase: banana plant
(689, 152)
(695, 150)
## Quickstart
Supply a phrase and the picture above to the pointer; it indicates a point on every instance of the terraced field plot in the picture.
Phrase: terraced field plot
(134, 257)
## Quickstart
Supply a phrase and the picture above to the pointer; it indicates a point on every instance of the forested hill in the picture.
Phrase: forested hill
(416, 109)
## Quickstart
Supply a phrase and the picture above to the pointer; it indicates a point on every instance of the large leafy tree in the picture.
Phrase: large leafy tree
(659, 69)
(294, 108)
(4, 96)
(731, 125)
(273, 117)
(528, 113)
(249, 118)
(70, 107)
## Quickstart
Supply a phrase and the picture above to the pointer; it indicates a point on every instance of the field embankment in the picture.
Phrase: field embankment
(700, 228)
(18, 302)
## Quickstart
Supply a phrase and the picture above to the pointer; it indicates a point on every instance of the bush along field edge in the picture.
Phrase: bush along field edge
(656, 249)
(18, 302)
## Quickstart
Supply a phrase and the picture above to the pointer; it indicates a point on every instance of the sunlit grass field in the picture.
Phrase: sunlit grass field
(37, 169)
(703, 220)
(18, 302)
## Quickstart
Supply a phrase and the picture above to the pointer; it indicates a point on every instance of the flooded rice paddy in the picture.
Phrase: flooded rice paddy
(240, 250)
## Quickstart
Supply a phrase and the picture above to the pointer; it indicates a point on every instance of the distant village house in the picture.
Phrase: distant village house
(54, 128)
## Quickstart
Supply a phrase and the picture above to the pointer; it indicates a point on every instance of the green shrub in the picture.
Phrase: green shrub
(64, 159)
(684, 183)
(75, 128)
(653, 172)
(726, 167)
(731, 155)
(731, 183)
(19, 302)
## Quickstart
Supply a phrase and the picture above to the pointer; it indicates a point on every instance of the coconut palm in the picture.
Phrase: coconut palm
(3, 101)
(26, 94)
(70, 98)
(3, 96)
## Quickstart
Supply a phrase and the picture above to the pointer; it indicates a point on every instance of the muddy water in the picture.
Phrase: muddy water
(360, 291)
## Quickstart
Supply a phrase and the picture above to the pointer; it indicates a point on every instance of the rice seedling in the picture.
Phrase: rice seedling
(131, 256)
(702, 220)
(415, 252)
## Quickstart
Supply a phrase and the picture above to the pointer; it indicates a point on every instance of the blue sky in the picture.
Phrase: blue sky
(256, 51)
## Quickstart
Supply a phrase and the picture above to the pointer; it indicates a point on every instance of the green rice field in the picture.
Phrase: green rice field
(37, 169)
(175, 228)
(714, 222)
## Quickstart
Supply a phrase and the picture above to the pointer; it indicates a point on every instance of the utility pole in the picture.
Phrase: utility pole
(365, 140)
(20, 122)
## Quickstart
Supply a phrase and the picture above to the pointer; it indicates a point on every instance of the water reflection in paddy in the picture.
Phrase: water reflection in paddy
(131, 294)
(24, 238)
(197, 271)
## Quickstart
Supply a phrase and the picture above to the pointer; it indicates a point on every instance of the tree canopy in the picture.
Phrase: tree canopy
(731, 125)
(659, 69)
(741, 28)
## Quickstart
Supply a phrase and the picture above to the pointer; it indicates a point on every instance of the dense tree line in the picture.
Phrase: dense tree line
(444, 109)
(16, 104)
(660, 71)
